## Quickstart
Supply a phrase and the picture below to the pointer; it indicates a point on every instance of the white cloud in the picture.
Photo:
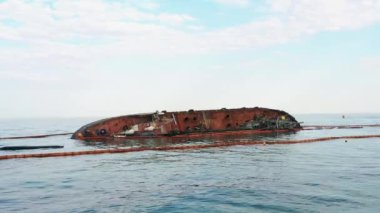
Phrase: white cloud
(240, 3)
(293, 19)
(174, 19)
(324, 15)
(124, 24)
(150, 5)
(82, 18)
(118, 29)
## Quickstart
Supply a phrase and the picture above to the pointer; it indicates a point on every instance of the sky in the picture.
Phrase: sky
(85, 58)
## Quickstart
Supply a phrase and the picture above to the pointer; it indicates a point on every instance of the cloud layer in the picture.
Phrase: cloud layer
(67, 34)
(62, 44)
(65, 22)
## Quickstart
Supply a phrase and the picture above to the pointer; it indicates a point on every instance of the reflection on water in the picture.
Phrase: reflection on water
(207, 139)
(318, 177)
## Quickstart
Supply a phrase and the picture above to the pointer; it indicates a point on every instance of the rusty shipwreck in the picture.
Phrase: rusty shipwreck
(189, 123)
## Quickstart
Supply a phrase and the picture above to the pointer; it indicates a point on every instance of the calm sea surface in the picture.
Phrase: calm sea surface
(331, 176)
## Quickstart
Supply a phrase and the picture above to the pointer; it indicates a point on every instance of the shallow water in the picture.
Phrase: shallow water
(331, 176)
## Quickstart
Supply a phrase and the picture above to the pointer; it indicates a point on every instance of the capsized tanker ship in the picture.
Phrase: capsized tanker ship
(191, 122)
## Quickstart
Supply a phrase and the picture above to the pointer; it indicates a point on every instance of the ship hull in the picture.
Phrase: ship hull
(191, 123)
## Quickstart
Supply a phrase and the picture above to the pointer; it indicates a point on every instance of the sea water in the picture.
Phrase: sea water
(332, 176)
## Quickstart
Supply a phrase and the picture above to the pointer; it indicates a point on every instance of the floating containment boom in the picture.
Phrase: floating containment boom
(14, 148)
(187, 123)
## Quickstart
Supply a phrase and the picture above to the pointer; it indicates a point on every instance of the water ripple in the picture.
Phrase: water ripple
(318, 177)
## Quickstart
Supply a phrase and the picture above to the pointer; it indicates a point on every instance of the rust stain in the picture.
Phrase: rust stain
(189, 123)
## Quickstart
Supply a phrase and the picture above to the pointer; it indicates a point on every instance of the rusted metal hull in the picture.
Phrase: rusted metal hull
(191, 123)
